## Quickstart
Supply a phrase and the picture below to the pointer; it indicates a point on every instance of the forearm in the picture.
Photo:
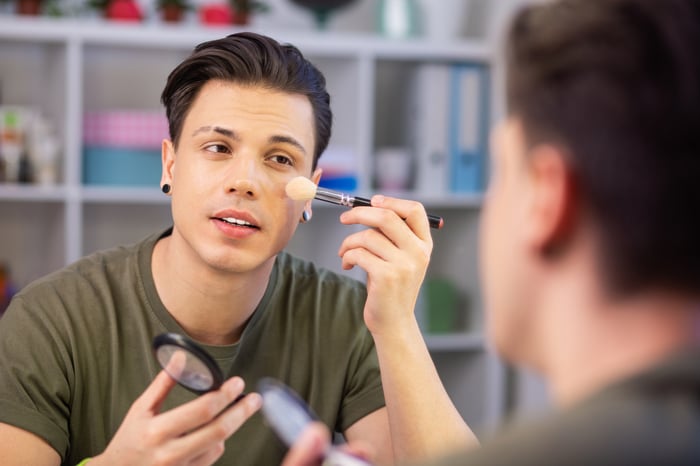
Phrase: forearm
(422, 418)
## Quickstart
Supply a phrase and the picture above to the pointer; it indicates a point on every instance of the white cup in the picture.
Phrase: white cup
(393, 168)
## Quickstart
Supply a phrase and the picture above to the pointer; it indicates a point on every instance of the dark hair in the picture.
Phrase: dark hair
(248, 58)
(616, 84)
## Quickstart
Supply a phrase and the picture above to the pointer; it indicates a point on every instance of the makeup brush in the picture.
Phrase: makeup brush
(303, 189)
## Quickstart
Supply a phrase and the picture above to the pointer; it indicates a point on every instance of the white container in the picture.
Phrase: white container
(443, 19)
(393, 169)
(397, 18)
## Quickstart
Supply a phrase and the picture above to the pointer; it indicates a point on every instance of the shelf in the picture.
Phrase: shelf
(123, 195)
(455, 342)
(19, 192)
(186, 36)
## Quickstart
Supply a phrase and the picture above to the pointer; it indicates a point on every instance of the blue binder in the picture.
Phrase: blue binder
(469, 127)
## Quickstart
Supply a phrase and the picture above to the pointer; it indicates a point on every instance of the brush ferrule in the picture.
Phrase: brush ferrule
(334, 197)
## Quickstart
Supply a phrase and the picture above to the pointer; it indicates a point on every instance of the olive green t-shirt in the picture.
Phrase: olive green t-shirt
(76, 351)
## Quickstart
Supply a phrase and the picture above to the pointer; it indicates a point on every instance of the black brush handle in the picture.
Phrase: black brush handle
(434, 221)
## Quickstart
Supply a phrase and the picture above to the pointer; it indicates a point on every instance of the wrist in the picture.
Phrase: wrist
(398, 337)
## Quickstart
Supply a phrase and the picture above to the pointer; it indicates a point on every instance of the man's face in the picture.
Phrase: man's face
(503, 249)
(239, 147)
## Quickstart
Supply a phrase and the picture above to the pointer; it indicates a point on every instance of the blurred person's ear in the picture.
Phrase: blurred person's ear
(552, 209)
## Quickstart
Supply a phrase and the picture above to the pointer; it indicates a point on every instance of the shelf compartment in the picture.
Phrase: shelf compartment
(114, 166)
(106, 225)
(470, 376)
(33, 238)
(33, 76)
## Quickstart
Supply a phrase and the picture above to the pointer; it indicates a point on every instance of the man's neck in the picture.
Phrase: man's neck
(590, 343)
(213, 307)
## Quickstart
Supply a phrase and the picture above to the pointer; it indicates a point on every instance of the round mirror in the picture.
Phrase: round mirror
(187, 363)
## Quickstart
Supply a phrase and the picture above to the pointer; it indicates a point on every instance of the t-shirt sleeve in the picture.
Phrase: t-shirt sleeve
(364, 392)
(34, 373)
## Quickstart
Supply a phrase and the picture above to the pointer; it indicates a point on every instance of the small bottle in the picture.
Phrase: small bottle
(25, 172)
(2, 165)
(11, 145)
(397, 18)
(43, 151)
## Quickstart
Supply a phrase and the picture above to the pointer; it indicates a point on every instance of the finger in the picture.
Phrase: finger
(310, 448)
(392, 262)
(194, 414)
(372, 240)
(391, 212)
(385, 240)
(412, 212)
(152, 398)
(389, 224)
(358, 450)
(375, 267)
(200, 442)
(176, 365)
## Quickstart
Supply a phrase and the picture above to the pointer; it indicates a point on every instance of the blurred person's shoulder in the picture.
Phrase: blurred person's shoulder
(650, 418)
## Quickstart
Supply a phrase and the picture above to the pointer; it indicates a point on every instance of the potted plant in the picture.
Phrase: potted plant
(242, 9)
(118, 10)
(172, 11)
(29, 7)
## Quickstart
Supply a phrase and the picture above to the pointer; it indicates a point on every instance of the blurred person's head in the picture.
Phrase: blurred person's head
(598, 162)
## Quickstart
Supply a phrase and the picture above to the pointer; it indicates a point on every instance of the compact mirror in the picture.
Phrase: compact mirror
(284, 410)
(187, 363)
(288, 415)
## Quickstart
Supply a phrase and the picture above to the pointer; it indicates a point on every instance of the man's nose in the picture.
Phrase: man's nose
(243, 186)
(243, 177)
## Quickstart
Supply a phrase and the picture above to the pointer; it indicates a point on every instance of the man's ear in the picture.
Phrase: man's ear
(167, 153)
(552, 205)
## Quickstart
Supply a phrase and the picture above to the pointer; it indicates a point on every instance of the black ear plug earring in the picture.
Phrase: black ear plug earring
(165, 188)
(305, 216)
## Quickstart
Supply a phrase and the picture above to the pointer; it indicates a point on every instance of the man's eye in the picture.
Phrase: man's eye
(283, 159)
(217, 148)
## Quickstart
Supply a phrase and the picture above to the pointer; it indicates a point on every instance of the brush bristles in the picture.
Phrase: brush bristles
(301, 189)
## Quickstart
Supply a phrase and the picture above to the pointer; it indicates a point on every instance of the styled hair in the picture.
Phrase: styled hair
(616, 84)
(249, 59)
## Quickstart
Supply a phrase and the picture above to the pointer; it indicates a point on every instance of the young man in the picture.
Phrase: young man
(78, 378)
(590, 242)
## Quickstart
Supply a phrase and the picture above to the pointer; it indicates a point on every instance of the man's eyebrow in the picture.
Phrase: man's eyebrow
(287, 140)
(217, 129)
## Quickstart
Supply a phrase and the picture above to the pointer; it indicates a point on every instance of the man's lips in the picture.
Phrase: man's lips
(237, 218)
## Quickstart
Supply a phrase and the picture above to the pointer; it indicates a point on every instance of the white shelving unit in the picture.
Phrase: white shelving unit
(66, 67)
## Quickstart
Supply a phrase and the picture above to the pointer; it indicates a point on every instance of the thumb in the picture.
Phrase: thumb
(310, 447)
